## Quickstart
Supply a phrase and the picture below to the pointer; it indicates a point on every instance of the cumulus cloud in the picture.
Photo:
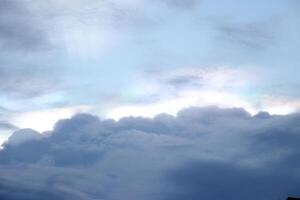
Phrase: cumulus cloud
(203, 152)
(22, 136)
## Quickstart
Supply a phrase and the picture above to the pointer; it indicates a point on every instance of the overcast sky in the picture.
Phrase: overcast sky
(138, 57)
(121, 58)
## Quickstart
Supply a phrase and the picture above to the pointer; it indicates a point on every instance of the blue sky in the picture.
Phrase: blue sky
(114, 59)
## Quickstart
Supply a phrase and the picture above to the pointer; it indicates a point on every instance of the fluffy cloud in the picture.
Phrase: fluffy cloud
(204, 152)
(22, 136)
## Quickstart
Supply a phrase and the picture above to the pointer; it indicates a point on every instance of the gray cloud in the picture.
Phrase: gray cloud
(30, 29)
(201, 153)
(33, 35)
(250, 35)
(22, 136)
(19, 29)
(179, 4)
(27, 81)
(222, 180)
(7, 126)
(184, 81)
(22, 37)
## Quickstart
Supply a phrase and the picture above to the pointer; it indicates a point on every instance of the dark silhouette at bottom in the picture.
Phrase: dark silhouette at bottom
(292, 198)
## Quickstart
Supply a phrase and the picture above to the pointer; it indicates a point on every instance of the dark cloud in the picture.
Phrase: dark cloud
(206, 153)
(46, 191)
(222, 180)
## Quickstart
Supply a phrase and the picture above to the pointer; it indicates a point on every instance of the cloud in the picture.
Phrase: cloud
(43, 120)
(171, 90)
(22, 136)
(221, 180)
(203, 152)
(33, 35)
(280, 104)
(34, 26)
(19, 29)
(7, 126)
(27, 82)
(250, 35)
(183, 5)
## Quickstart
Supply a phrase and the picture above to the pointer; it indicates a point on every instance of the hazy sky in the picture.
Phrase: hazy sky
(140, 57)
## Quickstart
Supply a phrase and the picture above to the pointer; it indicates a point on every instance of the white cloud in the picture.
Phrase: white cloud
(279, 105)
(43, 120)
(183, 100)
(220, 86)
(182, 88)
(4, 134)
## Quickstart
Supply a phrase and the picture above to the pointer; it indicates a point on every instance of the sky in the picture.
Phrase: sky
(140, 57)
(135, 66)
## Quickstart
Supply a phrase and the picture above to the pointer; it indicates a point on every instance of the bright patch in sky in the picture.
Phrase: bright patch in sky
(186, 99)
(44, 120)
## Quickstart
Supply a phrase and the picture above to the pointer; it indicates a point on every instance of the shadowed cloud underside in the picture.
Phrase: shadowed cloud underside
(202, 153)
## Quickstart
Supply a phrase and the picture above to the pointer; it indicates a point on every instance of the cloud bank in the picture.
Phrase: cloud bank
(202, 153)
